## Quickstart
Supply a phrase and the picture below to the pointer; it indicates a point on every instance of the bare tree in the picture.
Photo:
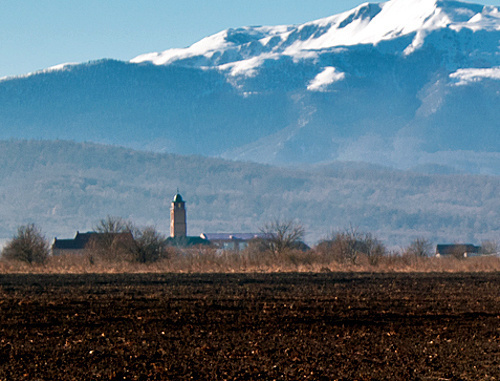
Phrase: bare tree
(346, 247)
(346, 242)
(419, 247)
(374, 250)
(113, 241)
(459, 251)
(490, 247)
(28, 245)
(281, 236)
(148, 245)
(112, 225)
(120, 240)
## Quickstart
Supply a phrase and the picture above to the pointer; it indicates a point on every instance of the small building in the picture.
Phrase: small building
(232, 241)
(82, 241)
(458, 250)
(187, 241)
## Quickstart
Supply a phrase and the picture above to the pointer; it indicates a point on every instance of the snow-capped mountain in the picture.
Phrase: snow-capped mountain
(243, 50)
(404, 83)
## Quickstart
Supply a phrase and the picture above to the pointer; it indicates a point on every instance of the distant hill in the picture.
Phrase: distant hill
(65, 186)
(404, 83)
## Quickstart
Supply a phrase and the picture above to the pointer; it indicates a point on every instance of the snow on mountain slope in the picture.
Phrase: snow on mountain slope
(402, 83)
(333, 54)
(466, 76)
(328, 76)
(244, 49)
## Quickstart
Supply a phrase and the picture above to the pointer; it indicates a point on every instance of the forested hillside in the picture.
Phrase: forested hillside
(64, 187)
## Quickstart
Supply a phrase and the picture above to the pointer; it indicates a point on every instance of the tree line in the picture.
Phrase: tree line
(120, 240)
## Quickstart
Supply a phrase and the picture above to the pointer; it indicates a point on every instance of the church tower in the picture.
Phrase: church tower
(178, 226)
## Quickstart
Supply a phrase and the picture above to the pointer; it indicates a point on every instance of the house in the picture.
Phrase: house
(187, 241)
(232, 241)
(457, 250)
(82, 241)
(72, 246)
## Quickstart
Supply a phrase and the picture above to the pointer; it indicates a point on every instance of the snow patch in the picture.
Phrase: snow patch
(247, 68)
(60, 67)
(328, 76)
(466, 76)
(204, 47)
(305, 55)
(417, 43)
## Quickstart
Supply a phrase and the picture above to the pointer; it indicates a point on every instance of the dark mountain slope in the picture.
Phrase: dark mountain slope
(403, 83)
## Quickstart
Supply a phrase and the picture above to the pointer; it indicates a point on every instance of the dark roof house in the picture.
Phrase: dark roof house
(457, 250)
(186, 241)
(81, 241)
(232, 241)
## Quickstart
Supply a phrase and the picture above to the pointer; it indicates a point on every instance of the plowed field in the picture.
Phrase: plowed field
(250, 327)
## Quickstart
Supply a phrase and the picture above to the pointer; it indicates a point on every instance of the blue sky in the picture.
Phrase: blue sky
(38, 34)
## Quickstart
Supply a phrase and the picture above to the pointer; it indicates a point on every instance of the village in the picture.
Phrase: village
(178, 235)
(234, 242)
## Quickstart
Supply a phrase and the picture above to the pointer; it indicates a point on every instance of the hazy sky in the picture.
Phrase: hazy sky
(36, 34)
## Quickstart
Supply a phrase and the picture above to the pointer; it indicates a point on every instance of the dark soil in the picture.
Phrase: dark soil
(250, 327)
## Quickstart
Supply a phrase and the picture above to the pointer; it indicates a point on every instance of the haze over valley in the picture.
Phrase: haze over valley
(64, 187)
(384, 117)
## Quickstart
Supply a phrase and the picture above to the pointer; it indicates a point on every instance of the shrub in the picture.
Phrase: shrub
(374, 250)
(281, 236)
(28, 245)
(118, 240)
(349, 245)
(419, 247)
(490, 247)
(113, 242)
(148, 245)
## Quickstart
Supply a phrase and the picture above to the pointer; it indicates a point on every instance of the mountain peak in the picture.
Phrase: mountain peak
(398, 83)
(369, 23)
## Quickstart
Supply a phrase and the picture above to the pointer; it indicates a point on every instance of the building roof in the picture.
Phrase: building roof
(457, 248)
(177, 198)
(233, 236)
(82, 239)
(77, 243)
(186, 241)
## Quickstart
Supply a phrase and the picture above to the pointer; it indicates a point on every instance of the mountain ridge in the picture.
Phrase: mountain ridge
(369, 23)
(422, 92)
